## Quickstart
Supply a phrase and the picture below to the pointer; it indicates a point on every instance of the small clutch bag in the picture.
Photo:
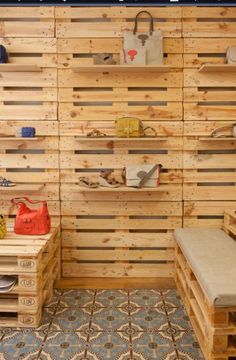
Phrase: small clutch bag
(28, 132)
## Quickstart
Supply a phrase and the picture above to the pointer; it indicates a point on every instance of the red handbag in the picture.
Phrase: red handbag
(31, 221)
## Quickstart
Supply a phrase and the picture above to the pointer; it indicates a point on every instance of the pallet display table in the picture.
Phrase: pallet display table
(35, 260)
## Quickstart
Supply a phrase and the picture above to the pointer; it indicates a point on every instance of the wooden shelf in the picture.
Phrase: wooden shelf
(121, 189)
(22, 188)
(217, 139)
(14, 138)
(121, 68)
(19, 68)
(217, 68)
(107, 138)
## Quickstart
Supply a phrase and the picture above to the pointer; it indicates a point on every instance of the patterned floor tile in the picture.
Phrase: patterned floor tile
(151, 318)
(109, 346)
(63, 345)
(187, 346)
(110, 318)
(179, 317)
(153, 346)
(53, 302)
(146, 298)
(111, 298)
(172, 298)
(77, 298)
(71, 319)
(21, 345)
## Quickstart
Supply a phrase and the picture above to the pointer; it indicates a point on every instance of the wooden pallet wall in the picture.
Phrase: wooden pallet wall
(30, 99)
(117, 233)
(209, 102)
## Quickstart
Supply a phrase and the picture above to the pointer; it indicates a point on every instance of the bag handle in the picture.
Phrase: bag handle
(151, 128)
(215, 133)
(148, 175)
(136, 22)
(15, 202)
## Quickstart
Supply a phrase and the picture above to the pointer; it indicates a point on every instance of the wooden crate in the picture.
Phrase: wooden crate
(117, 233)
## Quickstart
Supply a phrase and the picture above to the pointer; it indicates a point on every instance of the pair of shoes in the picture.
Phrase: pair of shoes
(84, 181)
(96, 133)
(6, 183)
(106, 179)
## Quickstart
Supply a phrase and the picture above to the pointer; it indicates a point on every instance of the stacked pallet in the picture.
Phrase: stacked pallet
(35, 261)
(209, 103)
(120, 232)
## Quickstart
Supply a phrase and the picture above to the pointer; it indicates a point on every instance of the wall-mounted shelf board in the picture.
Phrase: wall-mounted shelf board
(22, 188)
(12, 138)
(121, 68)
(120, 189)
(107, 138)
(19, 68)
(206, 68)
(217, 139)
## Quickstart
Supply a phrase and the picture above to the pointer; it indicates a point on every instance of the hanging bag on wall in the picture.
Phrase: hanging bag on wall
(152, 41)
(132, 127)
(3, 55)
(31, 221)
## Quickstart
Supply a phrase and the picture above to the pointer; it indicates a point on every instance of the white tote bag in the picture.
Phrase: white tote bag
(152, 42)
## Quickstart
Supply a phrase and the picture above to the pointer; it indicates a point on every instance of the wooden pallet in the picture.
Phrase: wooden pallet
(214, 326)
(117, 232)
(36, 262)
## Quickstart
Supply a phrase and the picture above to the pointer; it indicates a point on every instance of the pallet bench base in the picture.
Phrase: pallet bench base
(215, 327)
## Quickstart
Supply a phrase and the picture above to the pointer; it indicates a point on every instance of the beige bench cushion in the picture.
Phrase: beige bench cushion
(211, 253)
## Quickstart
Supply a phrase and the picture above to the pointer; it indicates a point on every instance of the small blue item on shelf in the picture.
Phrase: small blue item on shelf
(28, 132)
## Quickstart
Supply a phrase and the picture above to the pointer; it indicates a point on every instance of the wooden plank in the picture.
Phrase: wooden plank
(204, 208)
(117, 270)
(203, 128)
(116, 283)
(170, 111)
(220, 111)
(46, 111)
(39, 161)
(122, 208)
(193, 192)
(43, 127)
(207, 161)
(118, 95)
(22, 188)
(113, 45)
(45, 78)
(19, 68)
(212, 12)
(66, 78)
(72, 161)
(120, 68)
(36, 94)
(114, 12)
(208, 29)
(28, 12)
(208, 95)
(169, 223)
(72, 239)
(28, 29)
(117, 255)
(208, 68)
(217, 176)
(91, 29)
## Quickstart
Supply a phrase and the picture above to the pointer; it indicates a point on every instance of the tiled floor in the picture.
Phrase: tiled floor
(106, 324)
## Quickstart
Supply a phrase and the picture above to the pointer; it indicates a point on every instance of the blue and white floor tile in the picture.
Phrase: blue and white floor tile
(106, 324)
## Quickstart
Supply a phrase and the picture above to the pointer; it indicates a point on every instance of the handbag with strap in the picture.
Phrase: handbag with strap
(31, 221)
(231, 55)
(143, 175)
(151, 41)
(131, 127)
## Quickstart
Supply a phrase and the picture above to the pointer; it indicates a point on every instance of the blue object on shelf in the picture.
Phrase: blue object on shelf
(28, 132)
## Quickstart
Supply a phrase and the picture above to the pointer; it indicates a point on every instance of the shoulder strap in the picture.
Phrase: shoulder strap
(16, 201)
(150, 20)
(216, 133)
(151, 128)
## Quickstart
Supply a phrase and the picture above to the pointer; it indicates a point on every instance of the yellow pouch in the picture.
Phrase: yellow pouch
(129, 127)
(3, 227)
